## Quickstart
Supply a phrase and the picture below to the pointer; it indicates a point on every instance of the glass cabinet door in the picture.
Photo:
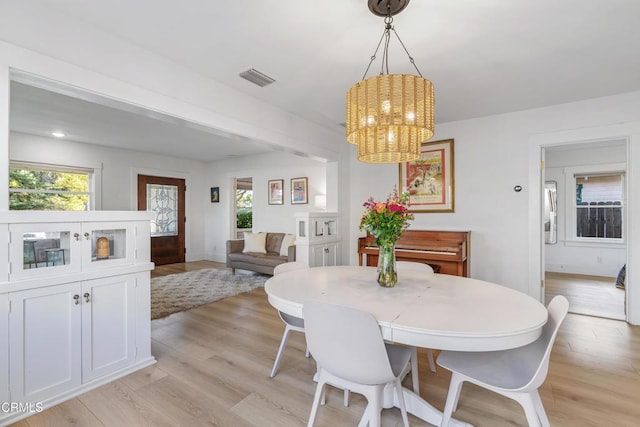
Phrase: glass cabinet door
(43, 249)
(106, 245)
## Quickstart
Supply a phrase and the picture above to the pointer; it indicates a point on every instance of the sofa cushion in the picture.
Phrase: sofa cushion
(258, 259)
(287, 240)
(255, 242)
(274, 241)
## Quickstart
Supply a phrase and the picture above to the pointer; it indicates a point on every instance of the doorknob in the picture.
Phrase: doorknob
(76, 298)
(86, 297)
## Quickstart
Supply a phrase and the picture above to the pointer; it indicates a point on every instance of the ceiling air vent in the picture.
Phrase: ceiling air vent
(256, 77)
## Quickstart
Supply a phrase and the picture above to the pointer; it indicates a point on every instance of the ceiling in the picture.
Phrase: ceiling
(484, 57)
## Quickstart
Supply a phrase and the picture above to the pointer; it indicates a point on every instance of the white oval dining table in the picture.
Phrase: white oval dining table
(437, 311)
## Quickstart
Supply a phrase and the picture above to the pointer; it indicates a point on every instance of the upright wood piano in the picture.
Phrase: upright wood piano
(446, 251)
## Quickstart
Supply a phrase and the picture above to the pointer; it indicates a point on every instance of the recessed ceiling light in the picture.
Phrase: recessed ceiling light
(58, 134)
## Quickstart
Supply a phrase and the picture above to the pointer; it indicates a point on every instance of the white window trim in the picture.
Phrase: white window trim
(571, 239)
(95, 178)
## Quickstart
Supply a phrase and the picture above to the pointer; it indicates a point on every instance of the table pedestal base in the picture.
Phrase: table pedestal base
(418, 407)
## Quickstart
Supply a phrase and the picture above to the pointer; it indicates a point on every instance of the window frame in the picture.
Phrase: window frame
(94, 181)
(571, 207)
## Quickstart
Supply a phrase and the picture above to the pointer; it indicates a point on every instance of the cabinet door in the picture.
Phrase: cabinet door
(106, 244)
(331, 254)
(108, 325)
(4, 348)
(316, 256)
(38, 250)
(44, 348)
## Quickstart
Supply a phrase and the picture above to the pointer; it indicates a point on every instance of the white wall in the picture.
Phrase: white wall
(594, 259)
(119, 176)
(262, 168)
(492, 155)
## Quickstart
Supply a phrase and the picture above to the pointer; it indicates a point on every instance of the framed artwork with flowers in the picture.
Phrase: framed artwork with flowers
(429, 180)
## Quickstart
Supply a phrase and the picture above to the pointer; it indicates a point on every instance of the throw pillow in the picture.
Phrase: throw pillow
(287, 240)
(255, 242)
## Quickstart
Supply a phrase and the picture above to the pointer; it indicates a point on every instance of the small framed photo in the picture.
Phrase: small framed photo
(299, 191)
(276, 195)
(215, 194)
(429, 180)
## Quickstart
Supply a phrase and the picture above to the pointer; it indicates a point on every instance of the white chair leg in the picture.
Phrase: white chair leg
(401, 405)
(283, 344)
(432, 363)
(346, 398)
(374, 397)
(364, 421)
(526, 401)
(316, 401)
(452, 399)
(414, 372)
(542, 415)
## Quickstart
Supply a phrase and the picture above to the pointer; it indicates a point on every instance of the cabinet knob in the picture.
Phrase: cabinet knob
(77, 236)
(86, 236)
(86, 297)
(76, 298)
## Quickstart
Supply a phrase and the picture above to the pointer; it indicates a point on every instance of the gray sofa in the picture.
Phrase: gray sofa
(261, 263)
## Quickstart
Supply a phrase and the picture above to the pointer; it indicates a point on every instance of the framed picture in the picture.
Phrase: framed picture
(215, 194)
(299, 192)
(429, 180)
(275, 192)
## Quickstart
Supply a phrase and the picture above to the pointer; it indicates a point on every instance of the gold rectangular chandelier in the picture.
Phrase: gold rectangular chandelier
(389, 116)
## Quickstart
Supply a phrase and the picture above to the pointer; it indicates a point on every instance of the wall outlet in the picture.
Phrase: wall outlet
(599, 259)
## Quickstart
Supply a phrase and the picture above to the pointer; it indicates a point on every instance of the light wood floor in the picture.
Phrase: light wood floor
(214, 363)
(590, 295)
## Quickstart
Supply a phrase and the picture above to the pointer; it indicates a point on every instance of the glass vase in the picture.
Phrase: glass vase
(387, 273)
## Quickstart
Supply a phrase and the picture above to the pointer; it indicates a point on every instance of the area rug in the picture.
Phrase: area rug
(183, 291)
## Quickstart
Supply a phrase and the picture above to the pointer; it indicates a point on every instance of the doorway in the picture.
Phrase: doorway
(165, 197)
(585, 245)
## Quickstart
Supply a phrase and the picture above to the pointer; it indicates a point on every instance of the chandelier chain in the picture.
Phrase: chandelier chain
(407, 52)
(375, 53)
(386, 36)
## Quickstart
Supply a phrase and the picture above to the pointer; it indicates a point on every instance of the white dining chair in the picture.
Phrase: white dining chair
(414, 266)
(425, 269)
(516, 373)
(364, 365)
(292, 323)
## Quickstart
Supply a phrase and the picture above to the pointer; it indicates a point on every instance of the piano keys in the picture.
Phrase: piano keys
(446, 251)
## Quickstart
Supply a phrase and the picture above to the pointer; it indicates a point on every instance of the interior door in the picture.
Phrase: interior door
(165, 197)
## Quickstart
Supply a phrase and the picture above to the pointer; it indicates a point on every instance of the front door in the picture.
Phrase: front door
(165, 197)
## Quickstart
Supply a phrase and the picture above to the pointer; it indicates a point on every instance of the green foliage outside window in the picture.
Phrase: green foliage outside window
(51, 190)
(244, 219)
(244, 215)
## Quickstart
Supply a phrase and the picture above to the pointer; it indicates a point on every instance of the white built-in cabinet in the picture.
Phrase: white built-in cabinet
(74, 303)
(318, 242)
(4, 349)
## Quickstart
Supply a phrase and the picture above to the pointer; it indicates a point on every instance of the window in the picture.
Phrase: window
(595, 213)
(599, 206)
(163, 200)
(244, 206)
(50, 187)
